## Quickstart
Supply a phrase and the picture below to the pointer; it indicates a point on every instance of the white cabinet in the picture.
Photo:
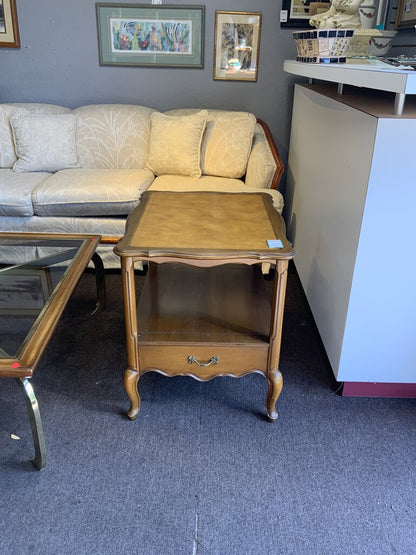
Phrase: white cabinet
(351, 214)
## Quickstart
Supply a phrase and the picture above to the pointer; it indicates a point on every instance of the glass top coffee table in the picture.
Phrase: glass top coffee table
(38, 273)
(204, 309)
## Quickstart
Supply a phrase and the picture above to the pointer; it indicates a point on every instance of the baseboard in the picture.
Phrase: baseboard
(373, 389)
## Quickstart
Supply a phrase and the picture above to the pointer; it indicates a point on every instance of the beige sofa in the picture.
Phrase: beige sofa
(84, 170)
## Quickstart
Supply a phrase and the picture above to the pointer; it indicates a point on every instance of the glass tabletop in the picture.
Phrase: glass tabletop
(36, 273)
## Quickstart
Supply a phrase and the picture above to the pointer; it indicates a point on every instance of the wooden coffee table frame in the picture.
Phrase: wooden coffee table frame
(169, 228)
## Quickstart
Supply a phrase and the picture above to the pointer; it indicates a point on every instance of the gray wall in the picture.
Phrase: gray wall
(58, 63)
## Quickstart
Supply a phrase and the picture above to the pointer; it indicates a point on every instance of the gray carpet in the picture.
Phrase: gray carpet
(201, 471)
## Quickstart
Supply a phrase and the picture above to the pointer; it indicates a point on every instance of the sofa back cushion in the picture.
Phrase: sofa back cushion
(7, 151)
(226, 144)
(112, 136)
(261, 165)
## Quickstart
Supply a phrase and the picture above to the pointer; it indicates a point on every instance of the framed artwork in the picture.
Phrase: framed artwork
(236, 45)
(296, 13)
(151, 35)
(406, 14)
(24, 292)
(9, 29)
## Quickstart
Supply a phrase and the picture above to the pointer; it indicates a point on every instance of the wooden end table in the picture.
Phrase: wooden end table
(204, 310)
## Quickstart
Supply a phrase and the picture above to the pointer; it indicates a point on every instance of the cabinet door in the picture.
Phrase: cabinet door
(331, 149)
(379, 339)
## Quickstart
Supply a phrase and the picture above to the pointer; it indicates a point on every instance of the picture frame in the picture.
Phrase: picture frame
(236, 45)
(24, 292)
(150, 35)
(9, 28)
(296, 13)
(406, 14)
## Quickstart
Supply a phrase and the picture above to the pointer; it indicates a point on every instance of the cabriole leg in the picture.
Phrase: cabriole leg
(131, 378)
(275, 382)
(131, 375)
(274, 377)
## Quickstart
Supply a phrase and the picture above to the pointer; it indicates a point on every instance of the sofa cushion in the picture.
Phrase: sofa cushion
(112, 136)
(7, 151)
(178, 183)
(261, 165)
(44, 142)
(89, 192)
(226, 143)
(16, 192)
(175, 144)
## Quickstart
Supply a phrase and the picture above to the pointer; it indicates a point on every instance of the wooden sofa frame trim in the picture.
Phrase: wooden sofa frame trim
(276, 155)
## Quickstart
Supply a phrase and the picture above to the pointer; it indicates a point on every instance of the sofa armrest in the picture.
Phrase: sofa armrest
(265, 166)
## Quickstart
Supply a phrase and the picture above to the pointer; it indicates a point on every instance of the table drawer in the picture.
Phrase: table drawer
(207, 360)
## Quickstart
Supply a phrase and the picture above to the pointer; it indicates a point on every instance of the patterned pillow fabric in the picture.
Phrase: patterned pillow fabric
(7, 151)
(227, 141)
(261, 165)
(175, 144)
(44, 142)
(112, 136)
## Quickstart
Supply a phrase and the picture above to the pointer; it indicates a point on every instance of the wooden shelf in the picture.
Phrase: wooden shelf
(368, 73)
(223, 304)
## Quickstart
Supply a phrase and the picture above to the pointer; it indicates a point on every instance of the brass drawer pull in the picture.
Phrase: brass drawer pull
(212, 360)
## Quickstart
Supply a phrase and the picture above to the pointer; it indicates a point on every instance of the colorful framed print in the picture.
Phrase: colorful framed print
(236, 46)
(151, 35)
(9, 29)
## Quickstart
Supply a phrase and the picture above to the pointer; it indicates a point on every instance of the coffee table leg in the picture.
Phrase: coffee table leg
(131, 375)
(274, 377)
(35, 422)
(100, 282)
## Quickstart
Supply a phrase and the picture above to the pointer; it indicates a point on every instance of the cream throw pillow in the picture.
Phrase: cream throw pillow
(175, 144)
(227, 143)
(44, 142)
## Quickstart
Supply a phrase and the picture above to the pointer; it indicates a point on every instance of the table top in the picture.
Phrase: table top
(38, 273)
(204, 225)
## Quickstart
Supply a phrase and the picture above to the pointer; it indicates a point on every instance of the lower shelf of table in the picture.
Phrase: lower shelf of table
(204, 313)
